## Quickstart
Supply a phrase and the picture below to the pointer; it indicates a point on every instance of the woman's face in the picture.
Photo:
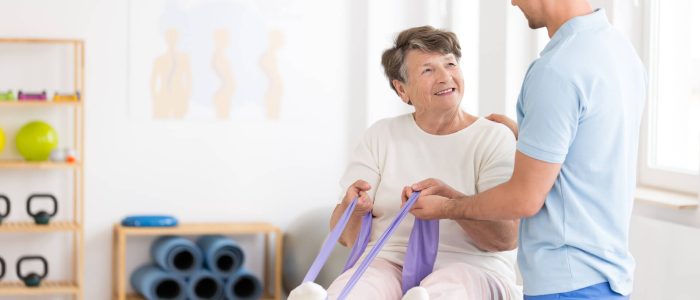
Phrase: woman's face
(434, 81)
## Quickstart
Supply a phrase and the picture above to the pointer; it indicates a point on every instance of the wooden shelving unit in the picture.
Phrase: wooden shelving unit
(29, 104)
(271, 281)
(47, 288)
(19, 227)
(21, 164)
(74, 287)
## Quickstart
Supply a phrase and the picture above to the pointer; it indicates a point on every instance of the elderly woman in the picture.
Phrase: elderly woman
(459, 154)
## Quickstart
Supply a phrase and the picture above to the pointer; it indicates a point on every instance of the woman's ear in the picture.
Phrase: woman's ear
(401, 91)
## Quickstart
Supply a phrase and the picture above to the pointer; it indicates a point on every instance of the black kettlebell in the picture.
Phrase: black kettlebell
(42, 217)
(32, 279)
(2, 265)
(7, 210)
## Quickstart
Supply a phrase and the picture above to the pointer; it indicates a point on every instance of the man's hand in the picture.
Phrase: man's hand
(364, 203)
(430, 207)
(505, 121)
(433, 199)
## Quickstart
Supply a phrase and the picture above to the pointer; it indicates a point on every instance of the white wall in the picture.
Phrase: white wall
(199, 171)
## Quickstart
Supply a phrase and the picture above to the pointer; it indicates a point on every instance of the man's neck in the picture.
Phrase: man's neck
(564, 11)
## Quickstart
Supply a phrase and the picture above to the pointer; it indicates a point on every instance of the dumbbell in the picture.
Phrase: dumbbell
(42, 217)
(32, 279)
(7, 209)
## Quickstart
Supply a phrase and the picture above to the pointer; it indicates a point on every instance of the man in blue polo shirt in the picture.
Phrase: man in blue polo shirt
(579, 114)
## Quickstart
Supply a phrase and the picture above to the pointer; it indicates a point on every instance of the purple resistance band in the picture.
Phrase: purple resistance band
(331, 240)
(420, 255)
(421, 251)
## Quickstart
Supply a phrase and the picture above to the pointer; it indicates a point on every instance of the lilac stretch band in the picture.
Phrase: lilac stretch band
(360, 243)
(329, 243)
(421, 253)
(378, 246)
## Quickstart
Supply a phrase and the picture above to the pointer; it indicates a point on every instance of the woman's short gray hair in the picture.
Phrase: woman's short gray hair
(424, 38)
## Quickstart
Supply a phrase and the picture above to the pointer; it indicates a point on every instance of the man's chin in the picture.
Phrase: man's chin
(534, 25)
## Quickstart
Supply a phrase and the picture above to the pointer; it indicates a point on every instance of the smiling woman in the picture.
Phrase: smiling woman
(460, 154)
(423, 69)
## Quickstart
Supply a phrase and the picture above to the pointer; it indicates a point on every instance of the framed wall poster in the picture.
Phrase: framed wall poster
(206, 60)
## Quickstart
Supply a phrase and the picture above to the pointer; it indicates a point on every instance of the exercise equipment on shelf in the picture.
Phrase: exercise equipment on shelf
(63, 155)
(7, 96)
(222, 255)
(32, 279)
(149, 221)
(177, 255)
(35, 140)
(205, 285)
(211, 268)
(2, 140)
(42, 217)
(25, 96)
(243, 285)
(7, 207)
(154, 283)
(67, 97)
(4, 268)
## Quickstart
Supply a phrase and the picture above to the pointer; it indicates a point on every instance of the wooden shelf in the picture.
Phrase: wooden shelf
(22, 164)
(201, 228)
(272, 281)
(138, 297)
(15, 103)
(40, 40)
(19, 227)
(46, 288)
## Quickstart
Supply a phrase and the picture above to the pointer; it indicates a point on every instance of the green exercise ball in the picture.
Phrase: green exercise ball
(35, 140)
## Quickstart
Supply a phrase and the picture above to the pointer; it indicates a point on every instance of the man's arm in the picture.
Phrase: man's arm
(521, 196)
(490, 236)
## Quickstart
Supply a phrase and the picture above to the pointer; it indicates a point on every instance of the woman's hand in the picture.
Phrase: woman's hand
(364, 203)
(505, 121)
(432, 202)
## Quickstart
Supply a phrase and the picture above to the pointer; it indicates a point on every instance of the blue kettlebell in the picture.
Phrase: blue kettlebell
(42, 217)
(7, 210)
(2, 265)
(32, 279)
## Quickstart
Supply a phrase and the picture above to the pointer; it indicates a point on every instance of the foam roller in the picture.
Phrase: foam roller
(204, 285)
(242, 286)
(222, 255)
(155, 284)
(177, 255)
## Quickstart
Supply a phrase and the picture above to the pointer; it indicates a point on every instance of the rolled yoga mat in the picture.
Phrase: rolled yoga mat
(177, 255)
(204, 285)
(242, 286)
(155, 284)
(222, 255)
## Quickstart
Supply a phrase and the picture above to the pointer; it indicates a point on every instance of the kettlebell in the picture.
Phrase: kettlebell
(2, 265)
(42, 217)
(7, 210)
(32, 279)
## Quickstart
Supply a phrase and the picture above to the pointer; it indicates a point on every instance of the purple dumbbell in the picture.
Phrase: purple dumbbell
(23, 96)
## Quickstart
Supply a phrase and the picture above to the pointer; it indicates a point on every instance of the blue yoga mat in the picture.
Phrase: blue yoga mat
(222, 255)
(177, 255)
(155, 284)
(204, 285)
(243, 286)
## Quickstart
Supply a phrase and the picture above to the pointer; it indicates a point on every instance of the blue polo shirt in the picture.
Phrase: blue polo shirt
(580, 105)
